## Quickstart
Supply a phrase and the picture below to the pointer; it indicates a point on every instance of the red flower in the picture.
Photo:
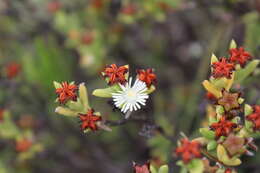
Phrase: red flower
(129, 10)
(53, 6)
(23, 145)
(239, 56)
(147, 76)
(211, 96)
(97, 4)
(223, 127)
(222, 68)
(87, 38)
(12, 70)
(188, 150)
(228, 170)
(142, 168)
(67, 92)
(89, 120)
(255, 117)
(2, 114)
(115, 74)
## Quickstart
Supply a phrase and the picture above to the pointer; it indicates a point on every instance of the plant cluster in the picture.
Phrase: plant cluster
(231, 126)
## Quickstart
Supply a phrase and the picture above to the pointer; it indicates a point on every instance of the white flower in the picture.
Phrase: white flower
(131, 97)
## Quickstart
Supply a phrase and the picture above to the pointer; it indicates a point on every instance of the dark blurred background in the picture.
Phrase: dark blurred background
(73, 40)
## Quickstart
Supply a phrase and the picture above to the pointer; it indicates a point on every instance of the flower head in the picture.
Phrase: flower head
(115, 74)
(23, 145)
(222, 68)
(188, 150)
(129, 9)
(141, 168)
(210, 96)
(54, 6)
(89, 120)
(87, 38)
(234, 144)
(223, 127)
(229, 100)
(67, 92)
(2, 114)
(255, 117)
(12, 70)
(147, 76)
(130, 97)
(239, 56)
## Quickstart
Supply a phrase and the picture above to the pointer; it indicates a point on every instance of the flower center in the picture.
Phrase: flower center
(131, 94)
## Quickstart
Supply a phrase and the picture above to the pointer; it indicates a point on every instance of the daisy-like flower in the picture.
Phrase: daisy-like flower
(131, 97)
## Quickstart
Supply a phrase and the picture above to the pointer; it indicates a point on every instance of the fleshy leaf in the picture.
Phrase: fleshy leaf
(220, 110)
(153, 170)
(213, 59)
(57, 84)
(212, 145)
(106, 92)
(243, 73)
(209, 134)
(66, 111)
(163, 169)
(233, 44)
(212, 89)
(196, 166)
(248, 109)
(83, 96)
(223, 157)
(151, 89)
(223, 82)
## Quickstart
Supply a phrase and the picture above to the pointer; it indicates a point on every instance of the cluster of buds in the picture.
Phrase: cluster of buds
(126, 96)
(227, 136)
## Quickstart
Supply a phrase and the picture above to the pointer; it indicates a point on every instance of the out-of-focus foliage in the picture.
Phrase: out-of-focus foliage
(65, 40)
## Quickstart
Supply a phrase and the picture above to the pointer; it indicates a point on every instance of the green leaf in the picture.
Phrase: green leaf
(57, 84)
(106, 92)
(223, 157)
(151, 89)
(233, 44)
(196, 166)
(212, 145)
(83, 96)
(212, 88)
(243, 73)
(248, 109)
(213, 59)
(65, 111)
(209, 134)
(153, 170)
(163, 169)
(219, 109)
(76, 106)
